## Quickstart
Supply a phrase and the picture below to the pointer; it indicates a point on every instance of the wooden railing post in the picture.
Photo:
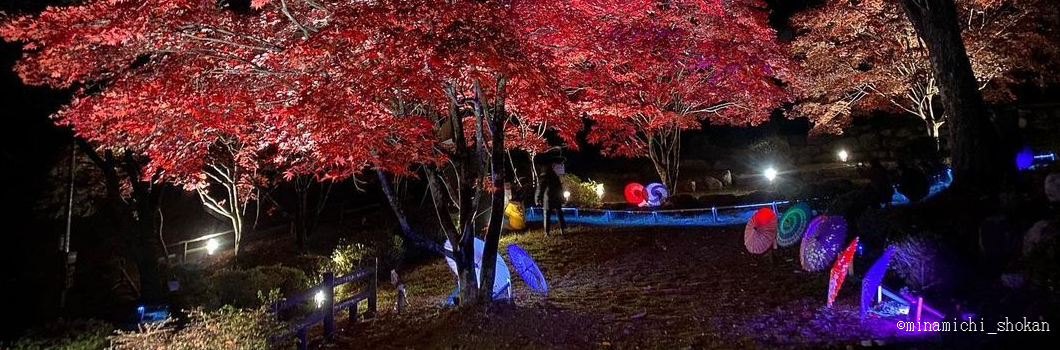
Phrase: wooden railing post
(373, 285)
(329, 304)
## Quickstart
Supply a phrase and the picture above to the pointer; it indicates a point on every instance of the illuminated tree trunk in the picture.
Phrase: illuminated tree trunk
(977, 161)
(497, 119)
(664, 150)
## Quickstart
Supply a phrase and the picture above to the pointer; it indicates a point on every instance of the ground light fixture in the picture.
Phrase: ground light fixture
(600, 190)
(211, 246)
(770, 174)
(319, 299)
(566, 195)
(843, 155)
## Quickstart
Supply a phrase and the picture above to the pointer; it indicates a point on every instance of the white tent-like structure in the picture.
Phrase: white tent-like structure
(502, 280)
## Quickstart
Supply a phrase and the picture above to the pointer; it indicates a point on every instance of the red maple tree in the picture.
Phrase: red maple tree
(644, 71)
(864, 56)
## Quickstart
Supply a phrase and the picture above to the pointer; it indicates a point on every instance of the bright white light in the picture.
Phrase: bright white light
(600, 190)
(843, 155)
(770, 174)
(319, 299)
(566, 195)
(211, 246)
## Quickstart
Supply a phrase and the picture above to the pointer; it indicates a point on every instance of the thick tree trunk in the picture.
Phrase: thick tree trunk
(977, 159)
(465, 253)
(493, 231)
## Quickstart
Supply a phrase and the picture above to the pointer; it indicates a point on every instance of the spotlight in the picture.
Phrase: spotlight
(566, 195)
(319, 299)
(211, 246)
(600, 190)
(770, 174)
(843, 155)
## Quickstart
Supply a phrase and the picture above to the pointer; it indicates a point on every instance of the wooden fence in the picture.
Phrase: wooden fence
(326, 307)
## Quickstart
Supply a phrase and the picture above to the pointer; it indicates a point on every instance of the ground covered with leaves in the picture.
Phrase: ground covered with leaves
(634, 288)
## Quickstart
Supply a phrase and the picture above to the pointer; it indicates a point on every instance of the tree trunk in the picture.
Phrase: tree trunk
(977, 160)
(403, 222)
(493, 231)
(465, 253)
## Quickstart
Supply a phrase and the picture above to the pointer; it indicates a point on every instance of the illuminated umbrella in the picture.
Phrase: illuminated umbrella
(501, 277)
(656, 194)
(761, 231)
(1024, 158)
(793, 224)
(635, 193)
(821, 242)
(839, 270)
(873, 278)
(527, 269)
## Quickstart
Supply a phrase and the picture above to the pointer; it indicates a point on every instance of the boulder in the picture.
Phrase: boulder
(1052, 187)
(712, 184)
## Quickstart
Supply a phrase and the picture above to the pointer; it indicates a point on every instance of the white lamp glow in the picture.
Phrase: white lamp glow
(319, 299)
(600, 190)
(770, 174)
(843, 155)
(566, 195)
(211, 246)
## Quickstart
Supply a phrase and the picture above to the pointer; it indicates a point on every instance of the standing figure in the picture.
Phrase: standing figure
(880, 183)
(550, 194)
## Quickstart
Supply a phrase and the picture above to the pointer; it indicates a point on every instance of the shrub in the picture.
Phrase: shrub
(919, 261)
(66, 335)
(225, 328)
(582, 194)
(239, 287)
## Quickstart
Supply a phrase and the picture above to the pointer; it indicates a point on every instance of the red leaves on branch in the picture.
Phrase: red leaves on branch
(863, 56)
(330, 87)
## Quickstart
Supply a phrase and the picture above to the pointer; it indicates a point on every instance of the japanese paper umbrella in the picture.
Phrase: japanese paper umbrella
(793, 224)
(656, 194)
(761, 231)
(839, 270)
(635, 193)
(873, 278)
(822, 242)
(527, 269)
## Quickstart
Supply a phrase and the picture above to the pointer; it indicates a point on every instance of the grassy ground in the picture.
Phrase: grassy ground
(629, 288)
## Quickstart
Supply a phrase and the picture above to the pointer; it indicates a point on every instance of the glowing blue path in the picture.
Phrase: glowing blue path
(712, 216)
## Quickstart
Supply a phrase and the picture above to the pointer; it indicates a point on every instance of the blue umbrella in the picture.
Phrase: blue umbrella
(527, 269)
(873, 279)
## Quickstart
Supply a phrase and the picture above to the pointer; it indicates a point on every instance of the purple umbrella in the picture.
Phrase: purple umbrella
(873, 279)
(822, 242)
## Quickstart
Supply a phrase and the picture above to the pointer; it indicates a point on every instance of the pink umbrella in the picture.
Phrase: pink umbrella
(822, 242)
(839, 270)
(761, 231)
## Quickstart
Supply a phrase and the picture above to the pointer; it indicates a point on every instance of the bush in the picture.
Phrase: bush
(582, 194)
(66, 335)
(921, 263)
(238, 287)
(226, 328)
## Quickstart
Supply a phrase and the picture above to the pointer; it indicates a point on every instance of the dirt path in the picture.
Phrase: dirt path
(631, 288)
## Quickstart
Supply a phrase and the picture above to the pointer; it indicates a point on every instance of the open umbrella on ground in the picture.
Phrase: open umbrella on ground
(501, 278)
(527, 269)
(821, 242)
(635, 193)
(793, 224)
(839, 270)
(761, 231)
(656, 194)
(873, 279)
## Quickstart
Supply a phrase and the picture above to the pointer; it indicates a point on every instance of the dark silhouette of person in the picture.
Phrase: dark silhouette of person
(880, 183)
(550, 196)
(912, 182)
